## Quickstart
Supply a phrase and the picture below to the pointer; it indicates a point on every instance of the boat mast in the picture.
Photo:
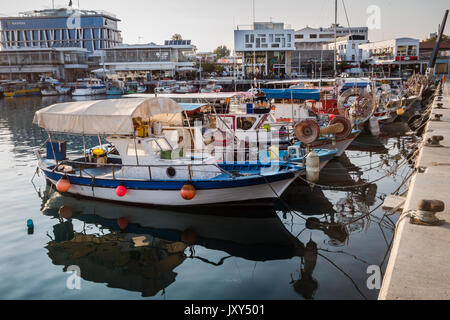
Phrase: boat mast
(335, 37)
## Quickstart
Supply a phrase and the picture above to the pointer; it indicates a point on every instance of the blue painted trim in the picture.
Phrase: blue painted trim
(177, 184)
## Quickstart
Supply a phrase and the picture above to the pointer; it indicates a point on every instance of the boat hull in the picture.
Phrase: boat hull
(264, 191)
(22, 93)
(341, 145)
(89, 91)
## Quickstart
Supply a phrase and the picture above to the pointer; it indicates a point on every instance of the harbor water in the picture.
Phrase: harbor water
(319, 243)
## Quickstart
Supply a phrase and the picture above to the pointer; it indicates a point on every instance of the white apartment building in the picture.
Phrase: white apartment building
(404, 50)
(314, 38)
(265, 48)
(348, 48)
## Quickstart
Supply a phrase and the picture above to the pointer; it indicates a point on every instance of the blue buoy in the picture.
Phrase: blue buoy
(30, 224)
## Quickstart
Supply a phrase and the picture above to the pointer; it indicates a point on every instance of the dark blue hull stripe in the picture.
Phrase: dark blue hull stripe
(172, 184)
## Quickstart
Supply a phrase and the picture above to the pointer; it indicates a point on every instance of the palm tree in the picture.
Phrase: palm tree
(177, 36)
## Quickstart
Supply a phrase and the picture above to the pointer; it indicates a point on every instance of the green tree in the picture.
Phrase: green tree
(222, 51)
(177, 36)
(434, 39)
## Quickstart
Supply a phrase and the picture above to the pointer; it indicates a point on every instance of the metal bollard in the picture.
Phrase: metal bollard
(426, 213)
(437, 117)
(434, 141)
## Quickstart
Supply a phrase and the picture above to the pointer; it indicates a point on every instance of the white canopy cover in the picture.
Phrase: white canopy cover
(113, 116)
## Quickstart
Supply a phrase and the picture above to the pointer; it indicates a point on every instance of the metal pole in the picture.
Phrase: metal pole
(335, 38)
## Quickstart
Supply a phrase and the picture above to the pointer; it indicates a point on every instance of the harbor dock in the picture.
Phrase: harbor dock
(418, 267)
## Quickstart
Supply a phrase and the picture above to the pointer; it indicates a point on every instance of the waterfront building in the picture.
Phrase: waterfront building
(31, 63)
(311, 48)
(151, 61)
(55, 28)
(265, 48)
(348, 48)
(443, 58)
(315, 38)
(400, 57)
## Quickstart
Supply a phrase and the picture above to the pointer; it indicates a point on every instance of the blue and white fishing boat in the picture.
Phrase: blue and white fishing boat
(149, 170)
(115, 88)
(89, 87)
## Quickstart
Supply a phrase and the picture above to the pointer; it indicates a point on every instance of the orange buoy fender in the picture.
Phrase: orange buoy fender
(188, 192)
(63, 185)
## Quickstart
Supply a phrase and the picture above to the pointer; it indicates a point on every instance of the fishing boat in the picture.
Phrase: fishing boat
(89, 87)
(49, 90)
(20, 89)
(149, 170)
(115, 88)
(133, 87)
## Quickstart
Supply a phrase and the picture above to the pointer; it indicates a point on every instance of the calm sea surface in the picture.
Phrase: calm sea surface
(314, 244)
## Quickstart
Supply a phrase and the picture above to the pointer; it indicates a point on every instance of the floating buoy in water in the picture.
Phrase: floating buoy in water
(65, 212)
(188, 192)
(189, 237)
(122, 223)
(121, 191)
(63, 185)
(401, 112)
(312, 167)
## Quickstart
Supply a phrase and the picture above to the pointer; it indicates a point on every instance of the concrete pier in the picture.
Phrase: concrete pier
(419, 265)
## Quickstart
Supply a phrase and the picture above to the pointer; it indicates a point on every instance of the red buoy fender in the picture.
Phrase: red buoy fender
(121, 191)
(188, 192)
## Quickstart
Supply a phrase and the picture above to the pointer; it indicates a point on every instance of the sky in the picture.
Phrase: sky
(210, 23)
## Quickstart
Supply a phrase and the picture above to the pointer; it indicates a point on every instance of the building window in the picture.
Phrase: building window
(401, 51)
(275, 45)
(313, 36)
(412, 50)
(298, 36)
(247, 38)
(270, 37)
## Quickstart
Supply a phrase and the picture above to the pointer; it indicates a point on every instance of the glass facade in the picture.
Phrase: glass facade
(30, 58)
(89, 30)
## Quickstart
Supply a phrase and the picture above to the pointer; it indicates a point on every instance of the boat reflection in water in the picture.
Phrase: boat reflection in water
(137, 249)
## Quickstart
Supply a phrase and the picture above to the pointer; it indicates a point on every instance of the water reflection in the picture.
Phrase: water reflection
(111, 256)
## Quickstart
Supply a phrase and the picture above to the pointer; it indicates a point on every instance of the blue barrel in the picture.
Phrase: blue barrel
(57, 150)
(249, 108)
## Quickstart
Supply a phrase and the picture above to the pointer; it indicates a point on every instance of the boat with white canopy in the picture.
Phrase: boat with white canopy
(148, 169)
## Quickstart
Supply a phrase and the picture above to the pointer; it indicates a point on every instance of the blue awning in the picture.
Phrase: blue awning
(350, 85)
(191, 106)
(296, 94)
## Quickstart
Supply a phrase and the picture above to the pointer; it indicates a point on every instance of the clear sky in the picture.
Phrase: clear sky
(210, 23)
